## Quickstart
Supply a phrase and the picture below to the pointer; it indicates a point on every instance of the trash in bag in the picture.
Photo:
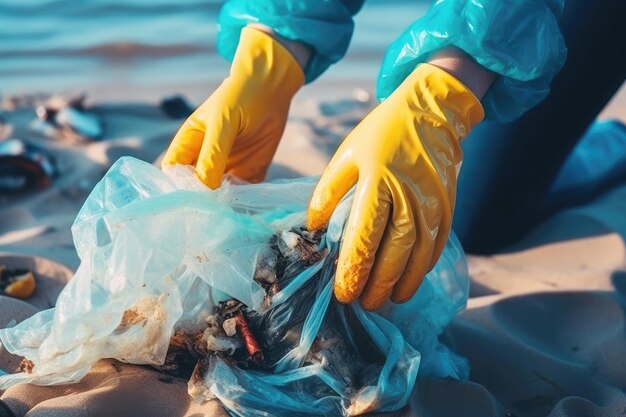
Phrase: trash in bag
(64, 117)
(227, 289)
(24, 167)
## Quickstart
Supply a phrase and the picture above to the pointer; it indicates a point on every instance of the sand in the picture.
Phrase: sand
(544, 329)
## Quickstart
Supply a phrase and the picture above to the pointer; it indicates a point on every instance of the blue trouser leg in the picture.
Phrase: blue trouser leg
(508, 168)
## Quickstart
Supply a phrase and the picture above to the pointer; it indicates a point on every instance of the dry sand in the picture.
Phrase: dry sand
(544, 329)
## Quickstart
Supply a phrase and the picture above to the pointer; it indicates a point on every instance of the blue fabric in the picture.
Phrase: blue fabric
(325, 25)
(518, 39)
(599, 158)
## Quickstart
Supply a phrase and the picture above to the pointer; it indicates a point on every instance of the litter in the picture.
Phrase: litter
(24, 166)
(67, 118)
(18, 283)
(225, 288)
(176, 107)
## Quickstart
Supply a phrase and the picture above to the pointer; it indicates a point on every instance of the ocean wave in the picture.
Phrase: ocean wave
(115, 50)
(95, 9)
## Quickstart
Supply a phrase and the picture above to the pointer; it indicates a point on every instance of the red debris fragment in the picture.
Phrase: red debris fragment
(252, 346)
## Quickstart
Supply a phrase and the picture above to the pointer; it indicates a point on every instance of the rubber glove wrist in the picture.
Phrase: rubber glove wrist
(262, 59)
(430, 88)
(465, 69)
(300, 51)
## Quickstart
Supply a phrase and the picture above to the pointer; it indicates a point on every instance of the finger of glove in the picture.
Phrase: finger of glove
(338, 178)
(221, 130)
(362, 236)
(185, 146)
(419, 260)
(393, 253)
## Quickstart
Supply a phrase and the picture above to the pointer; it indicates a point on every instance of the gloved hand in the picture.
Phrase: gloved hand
(404, 157)
(237, 129)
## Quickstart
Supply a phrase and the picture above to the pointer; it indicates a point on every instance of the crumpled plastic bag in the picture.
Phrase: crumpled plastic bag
(167, 249)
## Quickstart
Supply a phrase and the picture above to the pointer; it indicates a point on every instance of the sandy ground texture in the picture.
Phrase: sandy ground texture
(544, 329)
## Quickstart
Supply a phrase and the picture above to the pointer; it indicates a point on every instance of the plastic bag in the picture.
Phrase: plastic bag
(599, 156)
(160, 253)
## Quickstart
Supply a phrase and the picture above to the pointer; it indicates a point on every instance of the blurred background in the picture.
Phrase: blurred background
(144, 49)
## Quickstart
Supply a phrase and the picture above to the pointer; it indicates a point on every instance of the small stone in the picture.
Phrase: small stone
(22, 286)
(26, 366)
(229, 326)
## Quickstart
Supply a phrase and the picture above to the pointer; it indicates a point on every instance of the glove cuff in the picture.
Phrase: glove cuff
(432, 88)
(261, 58)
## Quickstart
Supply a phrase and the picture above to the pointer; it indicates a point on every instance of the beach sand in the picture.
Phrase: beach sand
(544, 328)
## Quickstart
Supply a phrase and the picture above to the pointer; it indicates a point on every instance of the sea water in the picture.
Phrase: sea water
(142, 49)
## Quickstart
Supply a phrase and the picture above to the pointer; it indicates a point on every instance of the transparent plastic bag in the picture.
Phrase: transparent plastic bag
(160, 253)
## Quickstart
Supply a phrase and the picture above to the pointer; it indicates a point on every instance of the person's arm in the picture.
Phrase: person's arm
(518, 40)
(465, 69)
(323, 27)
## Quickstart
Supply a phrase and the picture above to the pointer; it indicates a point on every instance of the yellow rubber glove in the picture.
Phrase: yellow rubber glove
(237, 129)
(404, 158)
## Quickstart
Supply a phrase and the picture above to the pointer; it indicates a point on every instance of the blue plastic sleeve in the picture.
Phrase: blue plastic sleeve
(518, 39)
(324, 25)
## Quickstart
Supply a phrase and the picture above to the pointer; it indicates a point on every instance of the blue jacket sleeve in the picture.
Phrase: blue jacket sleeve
(518, 39)
(325, 25)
